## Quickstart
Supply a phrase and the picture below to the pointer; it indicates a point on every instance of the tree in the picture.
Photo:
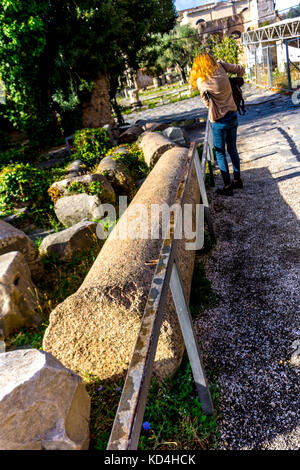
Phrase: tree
(52, 53)
(226, 49)
(22, 43)
(294, 12)
(140, 22)
(174, 49)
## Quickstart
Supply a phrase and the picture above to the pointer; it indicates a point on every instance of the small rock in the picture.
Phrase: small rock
(155, 126)
(177, 135)
(295, 357)
(295, 344)
(43, 405)
(67, 243)
(120, 149)
(73, 209)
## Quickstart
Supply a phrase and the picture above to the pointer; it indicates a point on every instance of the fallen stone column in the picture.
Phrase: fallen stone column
(95, 329)
(154, 145)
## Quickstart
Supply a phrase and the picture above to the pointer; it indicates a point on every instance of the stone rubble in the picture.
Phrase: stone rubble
(43, 405)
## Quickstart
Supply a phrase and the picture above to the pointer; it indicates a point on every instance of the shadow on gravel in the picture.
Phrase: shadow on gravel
(255, 271)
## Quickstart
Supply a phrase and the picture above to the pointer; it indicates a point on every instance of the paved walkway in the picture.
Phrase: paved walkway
(252, 336)
(192, 108)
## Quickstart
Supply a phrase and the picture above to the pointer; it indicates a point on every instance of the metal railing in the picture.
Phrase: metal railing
(266, 70)
(129, 417)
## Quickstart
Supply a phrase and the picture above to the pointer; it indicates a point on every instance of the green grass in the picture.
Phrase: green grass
(28, 336)
(173, 411)
(154, 91)
(156, 101)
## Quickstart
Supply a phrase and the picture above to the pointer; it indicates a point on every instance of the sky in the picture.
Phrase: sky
(183, 4)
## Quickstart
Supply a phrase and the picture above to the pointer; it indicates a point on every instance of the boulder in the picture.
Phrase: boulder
(13, 239)
(67, 243)
(19, 298)
(117, 175)
(177, 135)
(153, 146)
(43, 405)
(76, 168)
(131, 134)
(61, 188)
(73, 209)
(112, 298)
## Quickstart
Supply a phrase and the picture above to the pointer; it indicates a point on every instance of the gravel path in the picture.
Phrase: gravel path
(253, 333)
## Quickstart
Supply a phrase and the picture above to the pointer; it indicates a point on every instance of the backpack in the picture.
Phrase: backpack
(236, 84)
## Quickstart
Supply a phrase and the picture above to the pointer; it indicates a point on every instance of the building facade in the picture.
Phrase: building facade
(229, 17)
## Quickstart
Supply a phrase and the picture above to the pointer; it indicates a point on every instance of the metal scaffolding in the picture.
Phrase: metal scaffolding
(286, 29)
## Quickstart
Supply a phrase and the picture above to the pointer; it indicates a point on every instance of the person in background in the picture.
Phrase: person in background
(210, 77)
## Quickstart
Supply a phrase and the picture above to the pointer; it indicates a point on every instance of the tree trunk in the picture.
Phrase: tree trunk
(182, 74)
(117, 110)
(97, 112)
(134, 77)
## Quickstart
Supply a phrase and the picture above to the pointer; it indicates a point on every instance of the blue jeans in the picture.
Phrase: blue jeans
(224, 132)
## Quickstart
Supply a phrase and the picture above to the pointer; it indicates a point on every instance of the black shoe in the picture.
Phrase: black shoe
(238, 184)
(225, 191)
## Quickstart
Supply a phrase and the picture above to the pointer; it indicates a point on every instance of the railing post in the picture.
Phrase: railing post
(190, 340)
(288, 65)
(200, 170)
(269, 62)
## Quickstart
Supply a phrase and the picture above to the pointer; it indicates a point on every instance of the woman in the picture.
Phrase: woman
(210, 77)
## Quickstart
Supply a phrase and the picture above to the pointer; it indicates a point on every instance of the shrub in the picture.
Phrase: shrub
(133, 161)
(23, 184)
(77, 187)
(91, 145)
(95, 189)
